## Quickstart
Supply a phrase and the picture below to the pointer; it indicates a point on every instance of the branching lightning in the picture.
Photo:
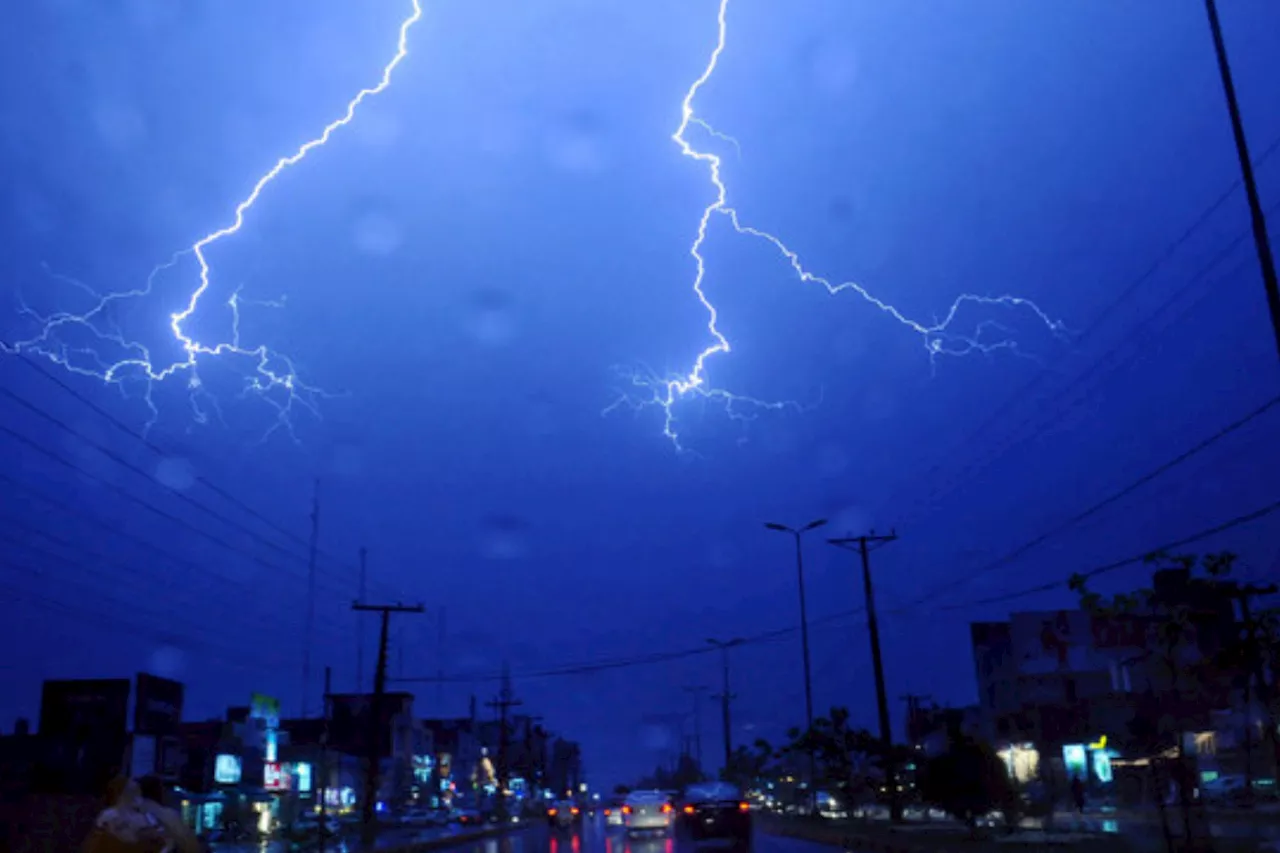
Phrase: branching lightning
(939, 337)
(271, 376)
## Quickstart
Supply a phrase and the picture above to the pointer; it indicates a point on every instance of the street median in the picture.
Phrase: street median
(456, 839)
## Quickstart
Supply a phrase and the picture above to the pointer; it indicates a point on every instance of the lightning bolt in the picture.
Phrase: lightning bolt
(938, 337)
(272, 376)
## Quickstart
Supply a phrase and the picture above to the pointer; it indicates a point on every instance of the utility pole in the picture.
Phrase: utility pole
(1256, 217)
(323, 787)
(364, 564)
(725, 696)
(376, 732)
(1255, 679)
(914, 706)
(862, 545)
(311, 598)
(797, 534)
(503, 703)
(440, 664)
(697, 690)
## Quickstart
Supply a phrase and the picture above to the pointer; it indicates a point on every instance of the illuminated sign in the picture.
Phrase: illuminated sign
(226, 769)
(302, 772)
(276, 776)
(1100, 744)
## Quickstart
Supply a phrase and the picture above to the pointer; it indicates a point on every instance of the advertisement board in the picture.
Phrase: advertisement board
(226, 769)
(85, 724)
(157, 709)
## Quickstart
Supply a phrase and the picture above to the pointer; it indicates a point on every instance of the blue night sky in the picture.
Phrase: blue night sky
(465, 267)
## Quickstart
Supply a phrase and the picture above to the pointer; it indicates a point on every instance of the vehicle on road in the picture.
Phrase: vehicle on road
(564, 814)
(613, 812)
(717, 810)
(648, 811)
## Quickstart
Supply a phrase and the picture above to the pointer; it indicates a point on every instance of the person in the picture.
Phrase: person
(125, 825)
(1077, 793)
(180, 837)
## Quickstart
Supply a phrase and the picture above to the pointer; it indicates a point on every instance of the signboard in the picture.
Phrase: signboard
(349, 721)
(276, 776)
(158, 706)
(267, 708)
(142, 756)
(226, 769)
(85, 724)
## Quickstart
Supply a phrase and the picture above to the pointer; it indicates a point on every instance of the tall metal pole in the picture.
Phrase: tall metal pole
(376, 733)
(725, 696)
(323, 787)
(877, 662)
(1259, 222)
(697, 690)
(804, 642)
(364, 566)
(311, 599)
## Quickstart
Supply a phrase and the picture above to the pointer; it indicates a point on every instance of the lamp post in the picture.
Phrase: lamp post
(725, 696)
(797, 534)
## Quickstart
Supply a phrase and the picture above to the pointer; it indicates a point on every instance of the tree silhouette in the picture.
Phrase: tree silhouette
(968, 781)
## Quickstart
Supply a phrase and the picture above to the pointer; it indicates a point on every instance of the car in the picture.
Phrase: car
(613, 812)
(563, 814)
(717, 810)
(648, 811)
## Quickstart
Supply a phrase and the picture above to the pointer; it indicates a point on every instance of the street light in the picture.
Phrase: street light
(725, 696)
(796, 534)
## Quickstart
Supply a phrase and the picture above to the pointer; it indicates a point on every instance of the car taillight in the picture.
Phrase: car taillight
(606, 812)
(574, 810)
(552, 812)
(626, 809)
(744, 807)
(688, 809)
(666, 808)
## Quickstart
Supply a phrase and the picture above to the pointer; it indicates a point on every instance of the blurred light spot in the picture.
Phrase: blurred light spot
(347, 460)
(722, 555)
(833, 67)
(175, 473)
(376, 233)
(840, 208)
(852, 519)
(574, 144)
(119, 126)
(504, 537)
(378, 129)
(656, 738)
(166, 661)
(832, 459)
(879, 405)
(541, 417)
(491, 319)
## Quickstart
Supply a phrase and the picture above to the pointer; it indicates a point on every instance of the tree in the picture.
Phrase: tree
(968, 781)
(1185, 651)
(747, 765)
(840, 751)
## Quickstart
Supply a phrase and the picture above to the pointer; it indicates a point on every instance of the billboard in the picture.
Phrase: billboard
(157, 708)
(349, 718)
(85, 725)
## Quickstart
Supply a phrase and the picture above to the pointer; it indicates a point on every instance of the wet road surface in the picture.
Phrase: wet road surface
(594, 837)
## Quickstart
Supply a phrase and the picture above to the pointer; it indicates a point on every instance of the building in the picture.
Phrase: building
(1080, 687)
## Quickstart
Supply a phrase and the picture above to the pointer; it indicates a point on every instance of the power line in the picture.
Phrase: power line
(1109, 359)
(1094, 508)
(159, 451)
(137, 501)
(1119, 564)
(1164, 257)
(112, 529)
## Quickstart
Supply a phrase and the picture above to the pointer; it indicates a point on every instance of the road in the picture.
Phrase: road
(594, 838)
